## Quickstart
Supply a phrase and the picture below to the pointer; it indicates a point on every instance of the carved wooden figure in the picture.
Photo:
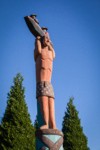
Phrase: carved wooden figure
(44, 55)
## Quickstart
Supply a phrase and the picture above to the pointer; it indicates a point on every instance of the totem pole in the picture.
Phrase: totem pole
(48, 137)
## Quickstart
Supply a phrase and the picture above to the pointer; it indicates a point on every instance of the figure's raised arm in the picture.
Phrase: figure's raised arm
(52, 49)
(38, 44)
(37, 50)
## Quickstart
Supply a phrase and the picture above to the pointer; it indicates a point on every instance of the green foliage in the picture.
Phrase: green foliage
(17, 130)
(74, 138)
(36, 126)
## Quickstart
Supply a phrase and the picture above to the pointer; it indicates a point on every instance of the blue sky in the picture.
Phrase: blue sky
(74, 28)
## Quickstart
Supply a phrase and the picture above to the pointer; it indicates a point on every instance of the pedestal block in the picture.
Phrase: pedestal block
(49, 139)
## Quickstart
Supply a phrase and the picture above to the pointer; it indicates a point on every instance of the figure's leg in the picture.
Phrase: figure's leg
(52, 122)
(43, 100)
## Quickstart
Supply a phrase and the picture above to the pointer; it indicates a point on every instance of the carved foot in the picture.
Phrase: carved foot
(44, 127)
(53, 127)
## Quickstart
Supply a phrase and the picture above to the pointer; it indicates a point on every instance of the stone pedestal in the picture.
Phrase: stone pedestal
(49, 139)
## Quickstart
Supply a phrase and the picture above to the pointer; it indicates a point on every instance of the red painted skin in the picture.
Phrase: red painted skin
(43, 56)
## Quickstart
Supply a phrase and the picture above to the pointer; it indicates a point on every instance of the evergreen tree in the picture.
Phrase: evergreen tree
(36, 126)
(0, 133)
(74, 138)
(17, 130)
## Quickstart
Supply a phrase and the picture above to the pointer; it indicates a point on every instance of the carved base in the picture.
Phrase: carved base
(49, 139)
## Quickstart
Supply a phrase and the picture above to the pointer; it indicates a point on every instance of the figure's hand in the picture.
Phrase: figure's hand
(38, 37)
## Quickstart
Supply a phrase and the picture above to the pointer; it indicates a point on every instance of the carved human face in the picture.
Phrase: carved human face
(45, 41)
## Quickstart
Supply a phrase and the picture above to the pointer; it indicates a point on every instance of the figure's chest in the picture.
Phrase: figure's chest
(45, 53)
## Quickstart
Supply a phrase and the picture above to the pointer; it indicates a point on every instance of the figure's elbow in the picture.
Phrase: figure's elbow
(39, 50)
(54, 53)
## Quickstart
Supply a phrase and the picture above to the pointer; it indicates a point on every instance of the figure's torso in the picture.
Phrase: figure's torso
(44, 65)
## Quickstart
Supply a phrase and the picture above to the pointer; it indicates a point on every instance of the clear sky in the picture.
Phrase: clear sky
(74, 27)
